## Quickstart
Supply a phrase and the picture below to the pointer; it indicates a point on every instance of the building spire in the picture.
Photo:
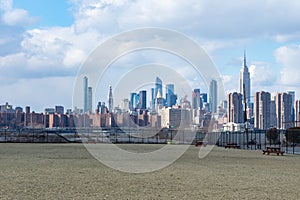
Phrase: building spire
(245, 61)
(110, 100)
(158, 94)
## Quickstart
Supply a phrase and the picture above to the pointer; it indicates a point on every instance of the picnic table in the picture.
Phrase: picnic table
(200, 143)
(232, 145)
(276, 150)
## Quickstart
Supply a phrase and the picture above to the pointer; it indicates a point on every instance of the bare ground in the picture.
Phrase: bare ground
(68, 171)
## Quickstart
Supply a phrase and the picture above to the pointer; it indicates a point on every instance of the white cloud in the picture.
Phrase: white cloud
(96, 20)
(287, 37)
(12, 24)
(262, 73)
(289, 58)
(14, 17)
(56, 51)
(230, 83)
(18, 17)
(208, 19)
(74, 57)
(59, 51)
(5, 5)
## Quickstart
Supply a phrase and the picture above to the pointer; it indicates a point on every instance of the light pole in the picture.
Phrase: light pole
(245, 116)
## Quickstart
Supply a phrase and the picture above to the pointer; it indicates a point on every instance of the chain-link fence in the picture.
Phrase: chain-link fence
(259, 140)
(251, 140)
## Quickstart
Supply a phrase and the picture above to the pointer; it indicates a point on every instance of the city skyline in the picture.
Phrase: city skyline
(90, 106)
(146, 97)
(164, 110)
(41, 52)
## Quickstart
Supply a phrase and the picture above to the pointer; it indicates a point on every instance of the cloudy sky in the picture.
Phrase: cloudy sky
(44, 43)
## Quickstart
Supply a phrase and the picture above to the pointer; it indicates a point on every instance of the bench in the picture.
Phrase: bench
(232, 145)
(275, 150)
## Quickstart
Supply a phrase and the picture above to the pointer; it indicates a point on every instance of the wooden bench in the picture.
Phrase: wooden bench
(275, 150)
(232, 145)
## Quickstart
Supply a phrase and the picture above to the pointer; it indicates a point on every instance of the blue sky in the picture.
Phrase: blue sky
(44, 43)
(49, 13)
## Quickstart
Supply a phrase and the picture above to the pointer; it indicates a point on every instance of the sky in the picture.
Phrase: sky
(43, 44)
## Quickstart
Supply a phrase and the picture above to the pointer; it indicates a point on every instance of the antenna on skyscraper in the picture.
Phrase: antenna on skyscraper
(245, 61)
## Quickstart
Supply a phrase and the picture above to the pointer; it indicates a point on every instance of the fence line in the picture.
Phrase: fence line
(257, 140)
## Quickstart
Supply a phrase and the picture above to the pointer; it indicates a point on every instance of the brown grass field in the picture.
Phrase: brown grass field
(68, 171)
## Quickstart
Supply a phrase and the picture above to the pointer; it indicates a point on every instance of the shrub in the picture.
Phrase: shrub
(272, 135)
(293, 135)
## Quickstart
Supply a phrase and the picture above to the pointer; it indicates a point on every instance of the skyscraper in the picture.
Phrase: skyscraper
(171, 98)
(110, 100)
(283, 110)
(213, 96)
(278, 110)
(152, 99)
(158, 86)
(59, 110)
(85, 94)
(245, 80)
(297, 113)
(90, 100)
(262, 102)
(235, 108)
(143, 100)
(124, 105)
(204, 97)
(196, 99)
(292, 93)
(159, 101)
(134, 99)
(170, 89)
(102, 109)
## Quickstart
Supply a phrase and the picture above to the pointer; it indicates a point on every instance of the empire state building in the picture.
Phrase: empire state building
(245, 80)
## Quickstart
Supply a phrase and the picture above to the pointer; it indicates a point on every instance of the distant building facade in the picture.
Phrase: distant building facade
(262, 114)
(235, 108)
(283, 110)
(297, 113)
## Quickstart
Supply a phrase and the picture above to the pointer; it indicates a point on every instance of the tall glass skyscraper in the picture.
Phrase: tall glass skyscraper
(213, 96)
(152, 98)
(85, 94)
(170, 88)
(292, 93)
(143, 99)
(134, 100)
(204, 97)
(171, 98)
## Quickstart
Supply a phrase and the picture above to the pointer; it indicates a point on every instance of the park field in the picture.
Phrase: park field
(68, 171)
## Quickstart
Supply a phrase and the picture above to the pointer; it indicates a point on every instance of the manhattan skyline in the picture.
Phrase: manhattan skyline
(41, 52)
